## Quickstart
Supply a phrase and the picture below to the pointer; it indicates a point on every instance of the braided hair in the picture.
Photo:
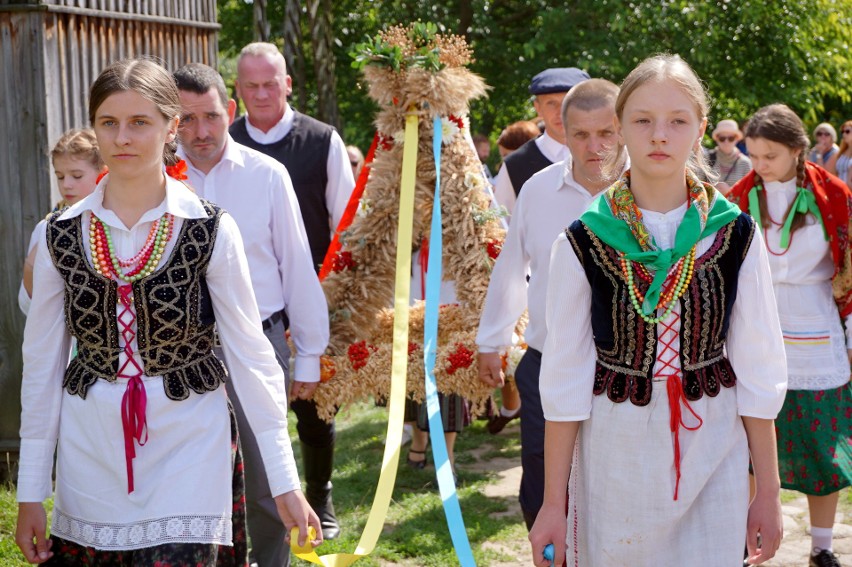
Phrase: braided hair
(778, 123)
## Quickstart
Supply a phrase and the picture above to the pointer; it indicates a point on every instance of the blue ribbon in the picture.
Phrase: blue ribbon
(444, 471)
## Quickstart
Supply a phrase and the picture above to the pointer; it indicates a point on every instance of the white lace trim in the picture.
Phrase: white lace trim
(818, 382)
(146, 533)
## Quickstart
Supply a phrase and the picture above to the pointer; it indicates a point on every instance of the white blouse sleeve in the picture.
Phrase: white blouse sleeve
(36, 238)
(568, 361)
(754, 343)
(46, 352)
(257, 378)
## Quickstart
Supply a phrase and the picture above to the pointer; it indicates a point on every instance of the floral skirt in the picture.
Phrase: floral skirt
(173, 554)
(814, 430)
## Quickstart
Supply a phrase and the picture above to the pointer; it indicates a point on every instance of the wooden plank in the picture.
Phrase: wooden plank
(76, 88)
(24, 179)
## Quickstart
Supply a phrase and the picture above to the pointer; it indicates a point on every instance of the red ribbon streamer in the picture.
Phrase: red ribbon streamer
(351, 210)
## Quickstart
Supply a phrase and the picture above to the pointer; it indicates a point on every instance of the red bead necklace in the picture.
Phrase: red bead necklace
(107, 263)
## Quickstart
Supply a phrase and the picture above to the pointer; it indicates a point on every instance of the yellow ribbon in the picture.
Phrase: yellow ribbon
(399, 366)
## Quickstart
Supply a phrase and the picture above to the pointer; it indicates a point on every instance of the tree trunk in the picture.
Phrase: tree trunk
(261, 21)
(465, 18)
(319, 13)
(293, 54)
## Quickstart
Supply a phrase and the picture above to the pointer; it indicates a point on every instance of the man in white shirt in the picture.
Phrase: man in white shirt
(550, 201)
(548, 89)
(256, 190)
(316, 158)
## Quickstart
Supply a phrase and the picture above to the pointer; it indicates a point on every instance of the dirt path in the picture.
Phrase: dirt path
(793, 553)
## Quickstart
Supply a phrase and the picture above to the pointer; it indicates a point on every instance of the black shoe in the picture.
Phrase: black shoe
(420, 465)
(499, 421)
(824, 558)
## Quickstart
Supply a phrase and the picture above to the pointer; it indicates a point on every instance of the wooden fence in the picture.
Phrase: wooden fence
(50, 53)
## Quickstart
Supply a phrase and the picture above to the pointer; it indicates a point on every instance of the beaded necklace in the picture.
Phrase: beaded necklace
(107, 263)
(677, 281)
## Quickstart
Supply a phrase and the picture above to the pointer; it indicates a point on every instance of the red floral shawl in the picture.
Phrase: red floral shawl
(834, 200)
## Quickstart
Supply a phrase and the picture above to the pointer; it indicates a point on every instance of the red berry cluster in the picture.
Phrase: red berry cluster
(343, 261)
(461, 358)
(493, 248)
(359, 353)
(412, 347)
(459, 122)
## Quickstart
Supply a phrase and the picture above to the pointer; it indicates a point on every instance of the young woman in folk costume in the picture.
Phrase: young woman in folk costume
(804, 213)
(663, 366)
(148, 467)
(76, 164)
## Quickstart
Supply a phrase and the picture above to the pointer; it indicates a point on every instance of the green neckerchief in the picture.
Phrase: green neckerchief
(805, 202)
(617, 233)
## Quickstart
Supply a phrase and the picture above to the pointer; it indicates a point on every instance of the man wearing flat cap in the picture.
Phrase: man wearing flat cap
(548, 89)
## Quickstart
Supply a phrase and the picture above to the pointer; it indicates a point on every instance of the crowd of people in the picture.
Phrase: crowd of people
(688, 344)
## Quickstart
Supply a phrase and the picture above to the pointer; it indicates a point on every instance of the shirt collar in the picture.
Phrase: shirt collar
(550, 146)
(180, 201)
(232, 154)
(277, 132)
(568, 174)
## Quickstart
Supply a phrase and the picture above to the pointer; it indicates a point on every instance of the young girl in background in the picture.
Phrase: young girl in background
(76, 164)
(804, 214)
(148, 469)
(663, 365)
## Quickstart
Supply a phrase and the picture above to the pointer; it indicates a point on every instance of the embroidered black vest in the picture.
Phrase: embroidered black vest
(174, 314)
(626, 344)
(304, 152)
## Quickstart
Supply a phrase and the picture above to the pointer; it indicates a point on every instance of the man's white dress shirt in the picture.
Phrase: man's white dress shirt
(256, 190)
(550, 201)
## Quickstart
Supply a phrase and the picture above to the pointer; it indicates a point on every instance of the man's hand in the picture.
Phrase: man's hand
(30, 533)
(491, 369)
(302, 390)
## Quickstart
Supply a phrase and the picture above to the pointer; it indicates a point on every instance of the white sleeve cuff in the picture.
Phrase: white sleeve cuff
(35, 470)
(307, 368)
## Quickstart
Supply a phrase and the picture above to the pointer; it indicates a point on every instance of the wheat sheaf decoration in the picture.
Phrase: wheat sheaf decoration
(412, 68)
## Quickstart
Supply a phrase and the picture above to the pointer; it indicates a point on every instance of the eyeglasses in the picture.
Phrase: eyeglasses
(823, 133)
(847, 131)
(726, 139)
(354, 163)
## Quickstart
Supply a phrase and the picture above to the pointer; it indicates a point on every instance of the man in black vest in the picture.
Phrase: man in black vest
(548, 89)
(316, 159)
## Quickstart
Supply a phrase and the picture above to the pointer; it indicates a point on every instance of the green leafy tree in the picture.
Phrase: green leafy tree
(749, 52)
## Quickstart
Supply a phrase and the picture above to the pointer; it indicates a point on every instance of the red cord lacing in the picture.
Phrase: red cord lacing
(674, 387)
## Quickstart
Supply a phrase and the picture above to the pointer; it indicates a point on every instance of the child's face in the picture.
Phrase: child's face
(76, 177)
(661, 127)
(771, 160)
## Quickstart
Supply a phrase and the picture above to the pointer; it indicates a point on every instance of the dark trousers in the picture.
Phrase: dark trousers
(532, 434)
(266, 530)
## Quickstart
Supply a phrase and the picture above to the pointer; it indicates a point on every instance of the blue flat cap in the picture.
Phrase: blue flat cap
(557, 80)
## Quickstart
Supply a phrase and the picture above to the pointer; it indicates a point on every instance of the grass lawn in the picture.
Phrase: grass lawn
(415, 532)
